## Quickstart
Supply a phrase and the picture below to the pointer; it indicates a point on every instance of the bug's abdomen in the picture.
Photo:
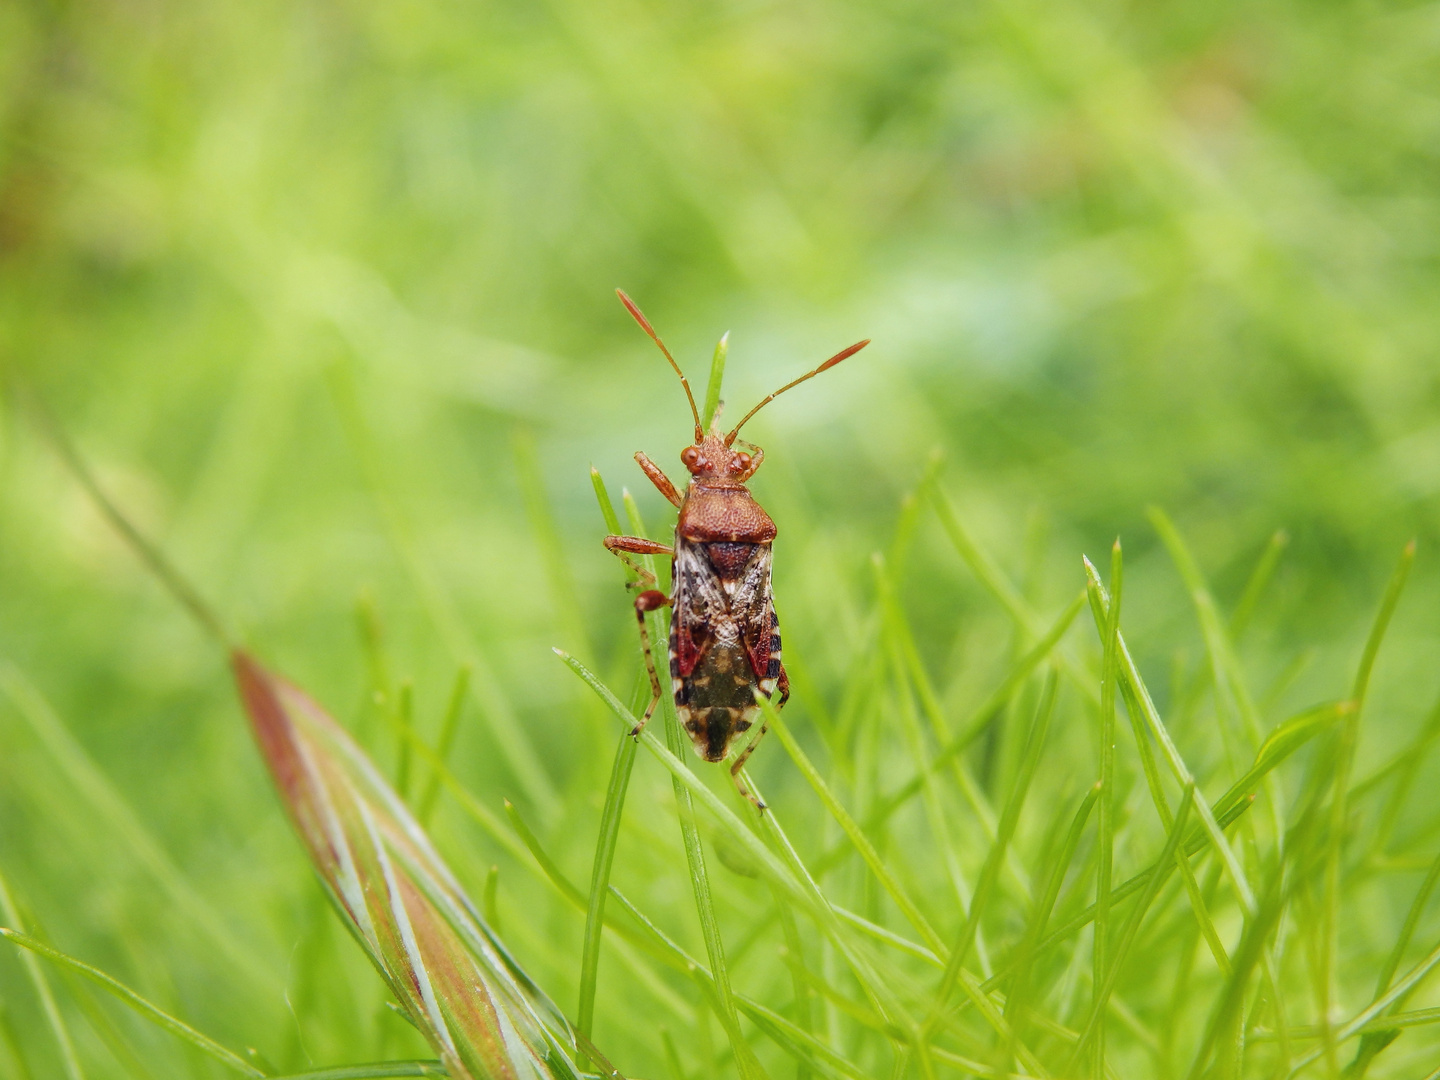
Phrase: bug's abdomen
(719, 700)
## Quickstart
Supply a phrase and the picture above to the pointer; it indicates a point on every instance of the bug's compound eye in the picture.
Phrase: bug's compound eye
(690, 458)
(741, 462)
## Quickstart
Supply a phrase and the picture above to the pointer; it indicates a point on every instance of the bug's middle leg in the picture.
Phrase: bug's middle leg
(647, 601)
(619, 545)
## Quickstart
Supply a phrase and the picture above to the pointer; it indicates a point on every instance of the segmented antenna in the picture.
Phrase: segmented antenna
(639, 317)
(841, 355)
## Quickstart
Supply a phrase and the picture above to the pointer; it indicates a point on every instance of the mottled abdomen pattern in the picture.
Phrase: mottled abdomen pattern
(724, 641)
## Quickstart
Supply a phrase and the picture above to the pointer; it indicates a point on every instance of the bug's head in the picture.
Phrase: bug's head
(714, 458)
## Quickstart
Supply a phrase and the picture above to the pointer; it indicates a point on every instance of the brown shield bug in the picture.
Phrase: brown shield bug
(724, 636)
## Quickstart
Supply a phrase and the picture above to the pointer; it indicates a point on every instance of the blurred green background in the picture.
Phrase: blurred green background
(324, 290)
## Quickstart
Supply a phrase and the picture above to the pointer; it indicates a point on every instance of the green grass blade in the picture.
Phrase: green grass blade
(380, 1070)
(1105, 819)
(881, 997)
(1358, 1023)
(1019, 969)
(657, 943)
(748, 1063)
(48, 1005)
(1091, 1026)
(989, 574)
(449, 726)
(1009, 819)
(1157, 797)
(1137, 697)
(559, 580)
(862, 843)
(978, 720)
(799, 975)
(600, 881)
(153, 1013)
(1405, 767)
(717, 376)
(108, 805)
(1374, 1039)
(790, 873)
(1258, 580)
(1344, 762)
(607, 508)
(486, 689)
(1287, 738)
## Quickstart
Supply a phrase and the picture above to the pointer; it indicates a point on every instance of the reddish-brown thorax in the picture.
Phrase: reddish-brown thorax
(718, 507)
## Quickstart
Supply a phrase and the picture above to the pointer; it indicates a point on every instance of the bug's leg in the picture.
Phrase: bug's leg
(740, 760)
(658, 478)
(619, 545)
(649, 600)
(783, 686)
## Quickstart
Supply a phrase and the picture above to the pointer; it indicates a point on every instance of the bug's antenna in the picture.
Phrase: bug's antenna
(639, 317)
(841, 355)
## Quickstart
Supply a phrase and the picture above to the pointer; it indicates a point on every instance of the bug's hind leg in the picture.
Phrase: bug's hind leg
(647, 601)
(743, 757)
(783, 687)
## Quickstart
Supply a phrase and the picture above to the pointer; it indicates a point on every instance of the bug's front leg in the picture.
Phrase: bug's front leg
(647, 601)
(619, 545)
(783, 686)
(658, 478)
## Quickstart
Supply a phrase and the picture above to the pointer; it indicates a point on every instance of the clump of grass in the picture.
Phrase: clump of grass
(1047, 876)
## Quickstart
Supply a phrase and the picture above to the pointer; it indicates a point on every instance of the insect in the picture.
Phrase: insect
(724, 635)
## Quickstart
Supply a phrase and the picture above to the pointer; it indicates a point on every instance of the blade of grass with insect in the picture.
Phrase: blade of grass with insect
(789, 873)
(610, 817)
(140, 1005)
(717, 376)
(749, 1064)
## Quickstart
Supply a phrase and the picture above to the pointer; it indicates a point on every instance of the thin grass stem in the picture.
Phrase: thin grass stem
(153, 1013)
